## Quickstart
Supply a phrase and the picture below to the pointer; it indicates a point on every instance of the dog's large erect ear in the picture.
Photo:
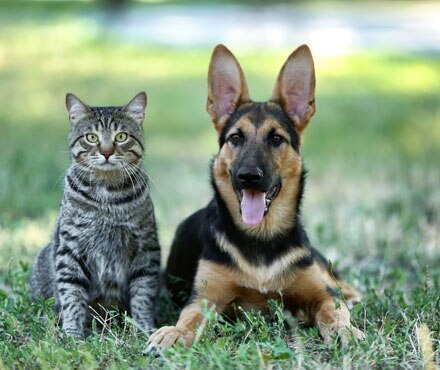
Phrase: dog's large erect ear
(295, 87)
(76, 108)
(136, 107)
(227, 86)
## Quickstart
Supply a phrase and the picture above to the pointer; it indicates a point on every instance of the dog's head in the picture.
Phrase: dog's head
(258, 168)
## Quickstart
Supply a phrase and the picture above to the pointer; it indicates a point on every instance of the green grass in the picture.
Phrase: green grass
(372, 201)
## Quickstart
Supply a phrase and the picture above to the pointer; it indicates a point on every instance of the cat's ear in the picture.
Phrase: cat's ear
(76, 108)
(295, 87)
(227, 87)
(136, 107)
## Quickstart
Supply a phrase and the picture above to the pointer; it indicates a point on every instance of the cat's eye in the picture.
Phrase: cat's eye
(92, 138)
(121, 137)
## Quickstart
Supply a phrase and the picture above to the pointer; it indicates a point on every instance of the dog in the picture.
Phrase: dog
(249, 245)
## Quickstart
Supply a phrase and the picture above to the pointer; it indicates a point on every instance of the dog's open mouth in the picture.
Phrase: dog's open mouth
(255, 204)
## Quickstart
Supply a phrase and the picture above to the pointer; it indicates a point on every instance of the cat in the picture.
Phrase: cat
(105, 249)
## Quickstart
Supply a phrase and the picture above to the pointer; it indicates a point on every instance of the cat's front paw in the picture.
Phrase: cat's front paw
(75, 333)
(145, 326)
(331, 333)
(167, 336)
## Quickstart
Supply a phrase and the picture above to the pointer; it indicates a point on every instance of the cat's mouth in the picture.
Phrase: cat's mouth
(108, 164)
(115, 163)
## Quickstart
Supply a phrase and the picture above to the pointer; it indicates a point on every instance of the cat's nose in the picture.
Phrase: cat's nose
(106, 152)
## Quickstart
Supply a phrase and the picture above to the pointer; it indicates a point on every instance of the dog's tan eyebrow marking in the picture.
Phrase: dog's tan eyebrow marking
(245, 126)
(280, 133)
(242, 111)
(273, 127)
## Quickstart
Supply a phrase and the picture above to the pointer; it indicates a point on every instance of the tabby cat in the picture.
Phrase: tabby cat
(105, 250)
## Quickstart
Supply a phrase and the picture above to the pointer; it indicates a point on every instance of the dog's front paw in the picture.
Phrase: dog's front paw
(167, 336)
(342, 333)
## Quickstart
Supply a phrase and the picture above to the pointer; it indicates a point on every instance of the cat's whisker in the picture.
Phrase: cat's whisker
(153, 182)
(124, 173)
(129, 176)
(63, 174)
(137, 174)
(138, 177)
(84, 171)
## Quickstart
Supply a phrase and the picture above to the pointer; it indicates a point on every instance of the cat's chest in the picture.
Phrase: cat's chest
(109, 271)
(108, 250)
(107, 240)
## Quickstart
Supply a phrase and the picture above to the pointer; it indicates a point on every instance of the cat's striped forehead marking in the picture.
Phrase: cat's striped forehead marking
(105, 116)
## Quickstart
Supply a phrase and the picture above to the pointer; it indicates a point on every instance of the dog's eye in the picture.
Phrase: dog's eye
(235, 139)
(276, 140)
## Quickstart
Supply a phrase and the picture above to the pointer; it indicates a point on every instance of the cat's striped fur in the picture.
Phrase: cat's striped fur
(105, 249)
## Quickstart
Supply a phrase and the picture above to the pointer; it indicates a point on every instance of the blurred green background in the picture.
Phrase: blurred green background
(372, 149)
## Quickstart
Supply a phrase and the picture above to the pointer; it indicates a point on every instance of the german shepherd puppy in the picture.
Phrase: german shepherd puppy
(248, 245)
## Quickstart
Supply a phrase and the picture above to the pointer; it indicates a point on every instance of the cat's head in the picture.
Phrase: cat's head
(107, 138)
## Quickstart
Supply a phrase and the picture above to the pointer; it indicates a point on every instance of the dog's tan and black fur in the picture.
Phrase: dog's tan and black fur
(248, 245)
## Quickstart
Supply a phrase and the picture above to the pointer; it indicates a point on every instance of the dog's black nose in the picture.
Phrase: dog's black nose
(250, 175)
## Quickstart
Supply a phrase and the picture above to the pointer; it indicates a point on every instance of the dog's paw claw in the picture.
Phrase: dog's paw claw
(168, 336)
(343, 334)
(153, 350)
(357, 334)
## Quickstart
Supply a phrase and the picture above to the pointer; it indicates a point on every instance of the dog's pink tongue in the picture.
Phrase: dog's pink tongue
(252, 206)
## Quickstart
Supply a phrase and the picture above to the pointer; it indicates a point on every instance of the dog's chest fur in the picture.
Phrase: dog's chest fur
(264, 278)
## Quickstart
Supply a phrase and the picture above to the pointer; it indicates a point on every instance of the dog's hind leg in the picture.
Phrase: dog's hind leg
(350, 294)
